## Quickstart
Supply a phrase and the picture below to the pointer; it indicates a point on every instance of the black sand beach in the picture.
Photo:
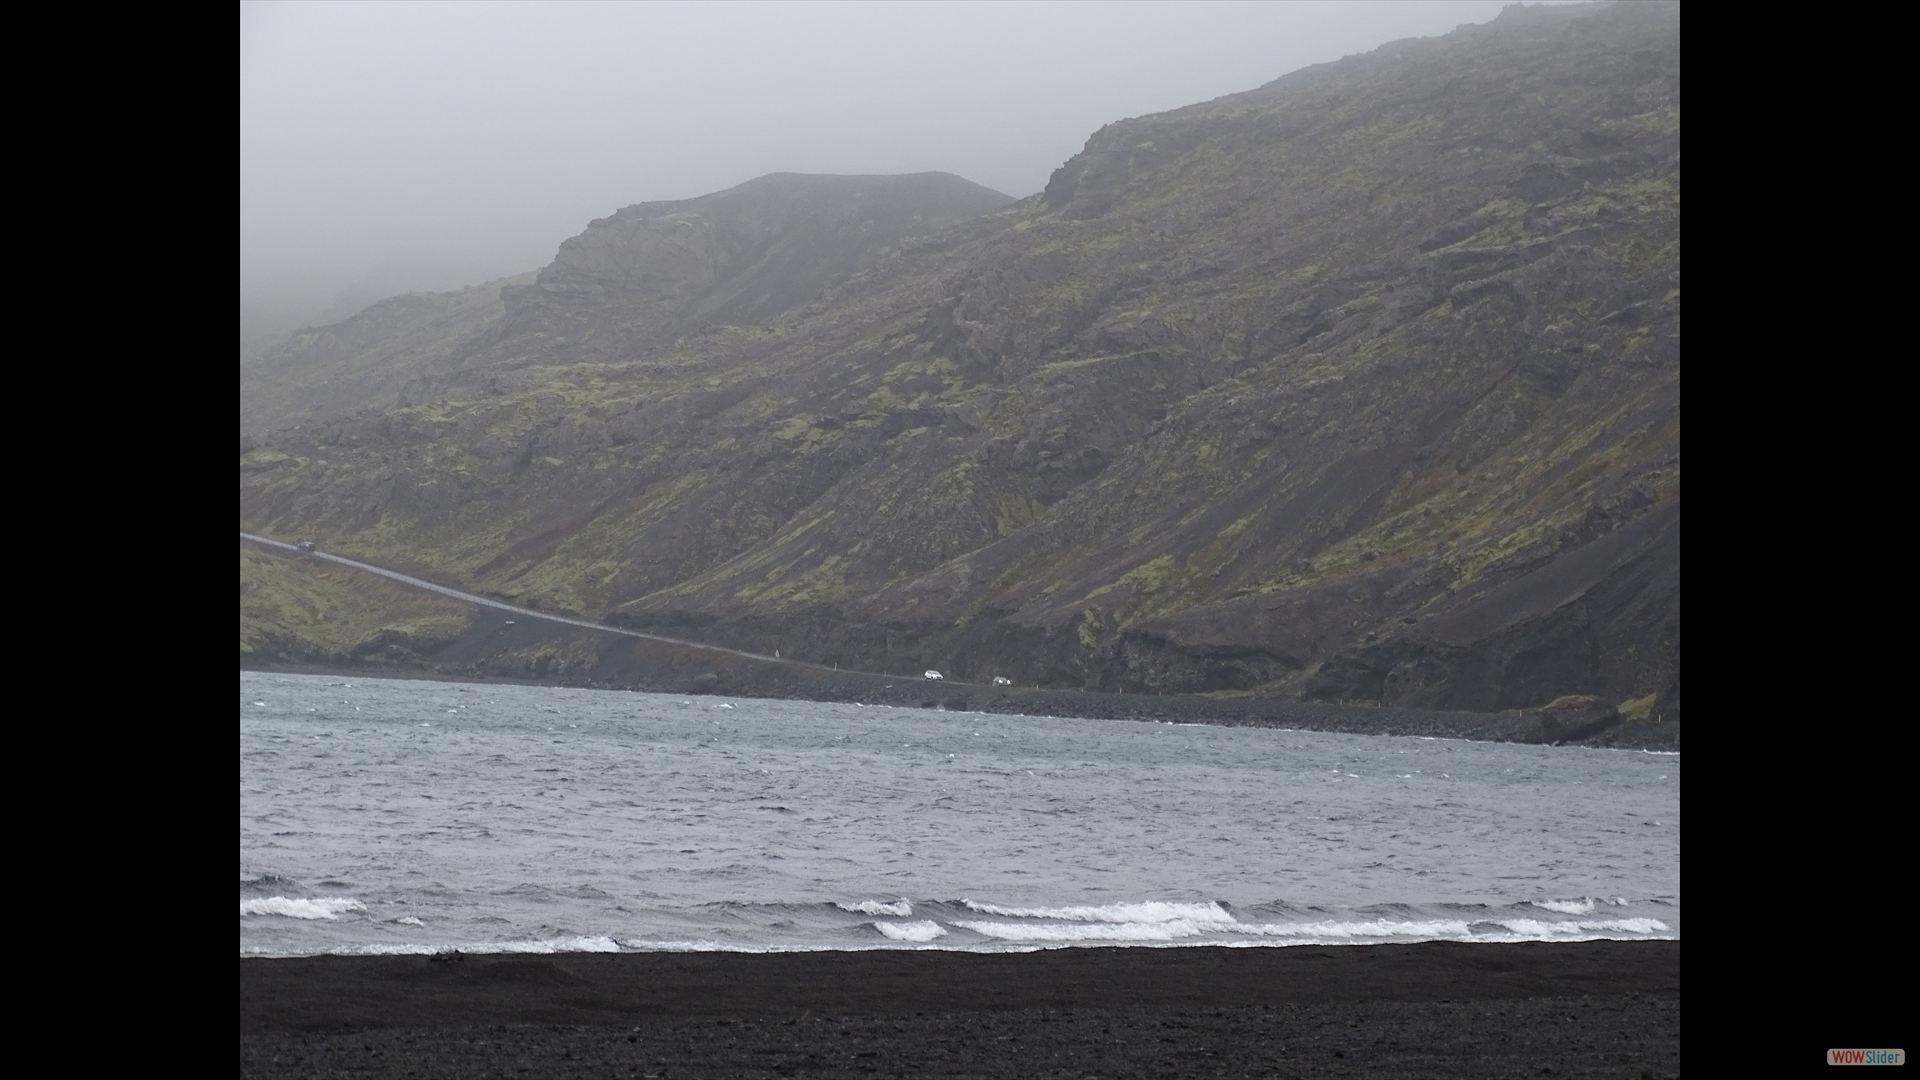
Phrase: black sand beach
(1439, 1009)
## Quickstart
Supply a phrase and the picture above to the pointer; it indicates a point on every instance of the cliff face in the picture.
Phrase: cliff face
(1362, 385)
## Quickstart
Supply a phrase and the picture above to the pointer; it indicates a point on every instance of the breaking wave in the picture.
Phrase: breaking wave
(1424, 929)
(1213, 923)
(1150, 912)
(1583, 906)
(329, 908)
(1171, 930)
(912, 931)
(1533, 929)
(902, 909)
(550, 945)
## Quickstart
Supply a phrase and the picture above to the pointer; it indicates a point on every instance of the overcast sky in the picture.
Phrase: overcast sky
(386, 147)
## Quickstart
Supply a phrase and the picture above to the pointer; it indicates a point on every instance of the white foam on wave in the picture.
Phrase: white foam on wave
(1426, 929)
(1314, 933)
(902, 909)
(1543, 928)
(912, 931)
(1149, 912)
(1582, 906)
(325, 908)
(551, 945)
(1168, 930)
(702, 945)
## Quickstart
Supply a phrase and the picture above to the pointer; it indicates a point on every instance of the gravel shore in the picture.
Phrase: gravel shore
(1587, 1009)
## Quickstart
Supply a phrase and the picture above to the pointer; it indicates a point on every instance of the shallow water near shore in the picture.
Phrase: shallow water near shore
(382, 816)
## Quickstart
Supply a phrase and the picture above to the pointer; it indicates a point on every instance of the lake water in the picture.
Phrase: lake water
(412, 816)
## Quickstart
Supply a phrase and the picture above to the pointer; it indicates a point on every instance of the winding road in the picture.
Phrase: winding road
(456, 594)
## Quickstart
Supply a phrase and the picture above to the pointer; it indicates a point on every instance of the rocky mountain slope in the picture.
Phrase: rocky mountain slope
(331, 615)
(1360, 386)
(647, 274)
(327, 372)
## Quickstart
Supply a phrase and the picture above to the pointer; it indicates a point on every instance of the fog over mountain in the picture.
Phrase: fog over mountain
(386, 148)
(1361, 385)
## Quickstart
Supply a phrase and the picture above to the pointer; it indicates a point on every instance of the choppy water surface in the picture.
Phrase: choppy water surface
(393, 816)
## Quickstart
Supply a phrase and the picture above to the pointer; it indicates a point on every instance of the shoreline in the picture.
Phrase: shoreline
(495, 648)
(905, 692)
(455, 954)
(1433, 1009)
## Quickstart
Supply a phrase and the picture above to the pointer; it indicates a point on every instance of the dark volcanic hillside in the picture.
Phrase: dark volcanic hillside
(327, 372)
(1363, 385)
(646, 275)
(655, 272)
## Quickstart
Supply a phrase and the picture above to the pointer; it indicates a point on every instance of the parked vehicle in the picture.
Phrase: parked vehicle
(934, 676)
(1002, 680)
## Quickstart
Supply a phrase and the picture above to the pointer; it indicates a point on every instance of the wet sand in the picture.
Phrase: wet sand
(1436, 1009)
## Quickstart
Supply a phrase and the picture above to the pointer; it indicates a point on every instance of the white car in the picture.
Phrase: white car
(1002, 680)
(934, 676)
